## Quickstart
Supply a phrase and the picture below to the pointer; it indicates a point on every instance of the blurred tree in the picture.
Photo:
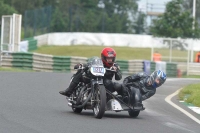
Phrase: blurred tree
(188, 5)
(58, 21)
(5, 9)
(98, 15)
(120, 15)
(22, 5)
(139, 24)
(114, 16)
(175, 22)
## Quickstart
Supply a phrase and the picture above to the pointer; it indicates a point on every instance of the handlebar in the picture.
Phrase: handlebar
(129, 84)
(109, 69)
(84, 66)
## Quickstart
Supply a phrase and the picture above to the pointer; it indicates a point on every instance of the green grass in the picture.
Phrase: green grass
(192, 92)
(124, 53)
(14, 69)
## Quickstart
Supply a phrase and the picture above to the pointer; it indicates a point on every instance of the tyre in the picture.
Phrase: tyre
(77, 110)
(133, 114)
(99, 101)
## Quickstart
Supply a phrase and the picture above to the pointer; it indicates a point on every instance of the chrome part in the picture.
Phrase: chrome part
(85, 96)
(115, 93)
(113, 105)
(69, 99)
(69, 104)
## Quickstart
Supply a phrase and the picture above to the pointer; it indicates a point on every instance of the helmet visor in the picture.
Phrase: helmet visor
(157, 82)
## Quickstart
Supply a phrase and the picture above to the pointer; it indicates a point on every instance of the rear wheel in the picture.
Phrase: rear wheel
(133, 114)
(99, 101)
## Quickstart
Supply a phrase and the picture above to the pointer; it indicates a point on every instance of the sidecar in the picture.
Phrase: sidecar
(128, 103)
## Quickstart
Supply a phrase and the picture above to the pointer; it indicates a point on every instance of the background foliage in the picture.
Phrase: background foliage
(175, 22)
(107, 16)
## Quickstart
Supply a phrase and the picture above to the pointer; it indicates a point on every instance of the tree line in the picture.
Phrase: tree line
(111, 16)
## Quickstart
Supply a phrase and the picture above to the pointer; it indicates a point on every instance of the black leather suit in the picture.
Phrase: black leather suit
(107, 80)
(140, 81)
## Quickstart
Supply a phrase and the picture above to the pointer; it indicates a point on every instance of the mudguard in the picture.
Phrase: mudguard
(100, 82)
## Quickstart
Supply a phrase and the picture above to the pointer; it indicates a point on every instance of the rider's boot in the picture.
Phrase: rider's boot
(69, 90)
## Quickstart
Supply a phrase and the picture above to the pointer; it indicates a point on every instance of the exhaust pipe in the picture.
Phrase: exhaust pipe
(81, 106)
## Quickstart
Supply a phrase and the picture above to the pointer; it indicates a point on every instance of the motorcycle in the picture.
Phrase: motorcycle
(91, 93)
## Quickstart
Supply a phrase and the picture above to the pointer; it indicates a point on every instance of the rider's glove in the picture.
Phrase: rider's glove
(78, 66)
(114, 68)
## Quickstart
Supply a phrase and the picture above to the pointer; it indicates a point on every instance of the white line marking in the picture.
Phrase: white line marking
(168, 99)
(195, 109)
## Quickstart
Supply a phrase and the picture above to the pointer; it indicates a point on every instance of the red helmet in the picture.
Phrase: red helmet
(108, 53)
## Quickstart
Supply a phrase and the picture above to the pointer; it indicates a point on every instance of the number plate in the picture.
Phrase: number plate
(98, 69)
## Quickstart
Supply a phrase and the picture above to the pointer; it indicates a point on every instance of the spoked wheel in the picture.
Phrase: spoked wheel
(99, 101)
(77, 110)
(133, 114)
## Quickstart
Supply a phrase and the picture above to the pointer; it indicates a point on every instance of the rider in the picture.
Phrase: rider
(147, 84)
(108, 56)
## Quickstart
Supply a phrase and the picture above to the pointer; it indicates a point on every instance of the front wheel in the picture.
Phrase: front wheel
(133, 114)
(99, 101)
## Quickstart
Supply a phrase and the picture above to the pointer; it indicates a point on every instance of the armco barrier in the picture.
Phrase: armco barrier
(49, 63)
(152, 66)
(32, 44)
(61, 63)
(182, 67)
(171, 69)
(75, 60)
(123, 65)
(194, 69)
(22, 60)
(42, 62)
(135, 66)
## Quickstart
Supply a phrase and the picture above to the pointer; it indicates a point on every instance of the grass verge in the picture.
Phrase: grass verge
(191, 94)
(8, 69)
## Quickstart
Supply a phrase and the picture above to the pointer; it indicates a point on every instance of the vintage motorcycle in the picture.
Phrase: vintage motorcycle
(91, 93)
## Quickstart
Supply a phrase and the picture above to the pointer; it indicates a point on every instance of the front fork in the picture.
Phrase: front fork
(97, 81)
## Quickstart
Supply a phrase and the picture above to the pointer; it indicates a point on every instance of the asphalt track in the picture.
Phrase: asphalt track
(30, 103)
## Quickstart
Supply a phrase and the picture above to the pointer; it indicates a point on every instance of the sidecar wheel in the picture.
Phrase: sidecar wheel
(133, 114)
(77, 110)
(100, 101)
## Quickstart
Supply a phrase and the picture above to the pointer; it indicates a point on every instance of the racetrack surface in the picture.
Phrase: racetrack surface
(30, 103)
